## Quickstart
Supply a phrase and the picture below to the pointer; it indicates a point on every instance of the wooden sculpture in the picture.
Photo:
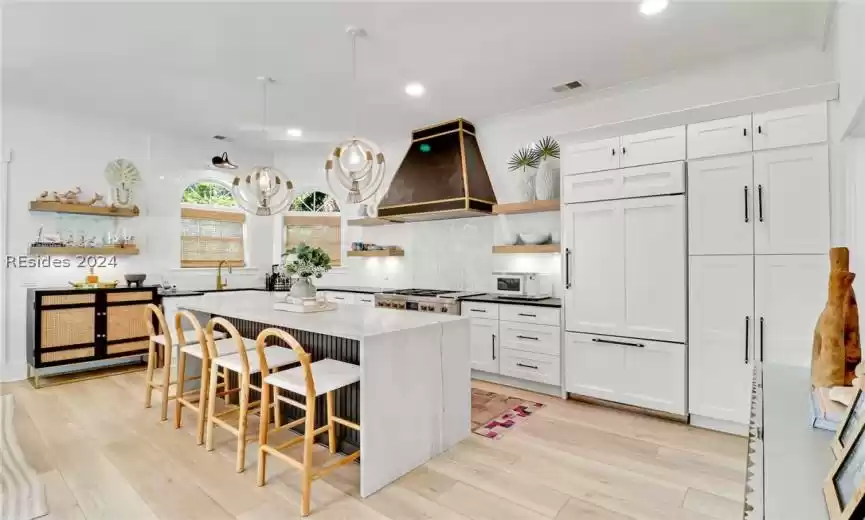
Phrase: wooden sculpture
(836, 350)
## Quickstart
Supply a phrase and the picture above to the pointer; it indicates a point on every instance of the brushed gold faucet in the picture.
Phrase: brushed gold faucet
(220, 283)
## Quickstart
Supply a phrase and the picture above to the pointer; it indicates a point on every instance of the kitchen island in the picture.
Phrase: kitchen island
(413, 401)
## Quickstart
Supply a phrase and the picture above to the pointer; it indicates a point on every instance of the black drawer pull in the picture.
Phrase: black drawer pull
(478, 310)
(527, 337)
(625, 343)
(527, 366)
(529, 315)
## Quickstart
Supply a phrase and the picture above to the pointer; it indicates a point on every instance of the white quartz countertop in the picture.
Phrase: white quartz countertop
(347, 321)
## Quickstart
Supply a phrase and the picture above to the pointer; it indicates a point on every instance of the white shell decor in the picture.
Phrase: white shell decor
(526, 185)
(122, 175)
(547, 179)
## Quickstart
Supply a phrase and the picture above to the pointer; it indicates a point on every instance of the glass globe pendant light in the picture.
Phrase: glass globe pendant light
(264, 191)
(357, 164)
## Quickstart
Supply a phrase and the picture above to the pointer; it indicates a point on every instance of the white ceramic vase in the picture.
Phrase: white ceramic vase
(526, 184)
(547, 179)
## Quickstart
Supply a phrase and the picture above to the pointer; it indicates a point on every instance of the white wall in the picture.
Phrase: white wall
(55, 152)
(847, 43)
(457, 253)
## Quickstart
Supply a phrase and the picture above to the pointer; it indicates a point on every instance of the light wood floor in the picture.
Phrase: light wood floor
(102, 455)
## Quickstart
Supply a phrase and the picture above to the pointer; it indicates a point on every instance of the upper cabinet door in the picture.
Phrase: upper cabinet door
(789, 295)
(653, 235)
(591, 156)
(657, 146)
(720, 206)
(792, 201)
(719, 137)
(640, 181)
(594, 284)
(790, 127)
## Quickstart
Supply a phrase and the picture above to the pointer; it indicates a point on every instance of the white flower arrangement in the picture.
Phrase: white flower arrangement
(306, 261)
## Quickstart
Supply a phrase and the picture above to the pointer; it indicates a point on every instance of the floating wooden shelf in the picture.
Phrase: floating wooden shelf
(103, 251)
(536, 206)
(381, 252)
(525, 248)
(83, 209)
(370, 221)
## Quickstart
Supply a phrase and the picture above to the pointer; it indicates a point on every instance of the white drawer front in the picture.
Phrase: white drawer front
(544, 339)
(367, 300)
(588, 187)
(530, 314)
(590, 156)
(790, 127)
(480, 310)
(655, 376)
(531, 366)
(656, 179)
(719, 137)
(639, 181)
(339, 297)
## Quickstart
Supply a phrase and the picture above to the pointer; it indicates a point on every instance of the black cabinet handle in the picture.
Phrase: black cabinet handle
(567, 268)
(611, 342)
(761, 339)
(624, 151)
(746, 205)
(759, 129)
(529, 315)
(745, 132)
(614, 151)
(527, 337)
(478, 310)
(527, 366)
(747, 334)
(760, 201)
(494, 347)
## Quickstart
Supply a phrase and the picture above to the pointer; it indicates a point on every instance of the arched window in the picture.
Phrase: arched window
(212, 226)
(314, 220)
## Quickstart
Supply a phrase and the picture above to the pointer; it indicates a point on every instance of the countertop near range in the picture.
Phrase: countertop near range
(493, 298)
(354, 289)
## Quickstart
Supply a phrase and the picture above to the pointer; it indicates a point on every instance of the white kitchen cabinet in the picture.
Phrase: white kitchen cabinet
(485, 345)
(654, 376)
(721, 340)
(652, 231)
(625, 268)
(639, 181)
(594, 267)
(790, 127)
(590, 156)
(648, 374)
(720, 206)
(789, 294)
(720, 137)
(367, 300)
(593, 368)
(531, 314)
(543, 339)
(532, 366)
(656, 146)
(792, 201)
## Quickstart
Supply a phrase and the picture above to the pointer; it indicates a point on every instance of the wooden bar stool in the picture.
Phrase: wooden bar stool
(239, 362)
(310, 380)
(205, 349)
(165, 342)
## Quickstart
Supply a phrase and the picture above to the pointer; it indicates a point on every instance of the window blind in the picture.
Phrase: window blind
(209, 236)
(317, 231)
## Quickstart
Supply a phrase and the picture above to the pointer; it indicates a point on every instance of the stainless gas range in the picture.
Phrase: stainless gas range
(424, 300)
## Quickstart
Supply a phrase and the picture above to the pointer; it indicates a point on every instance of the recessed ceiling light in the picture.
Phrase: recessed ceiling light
(653, 7)
(294, 132)
(415, 89)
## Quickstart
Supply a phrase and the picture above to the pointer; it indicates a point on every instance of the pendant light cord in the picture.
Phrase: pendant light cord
(354, 84)
(265, 81)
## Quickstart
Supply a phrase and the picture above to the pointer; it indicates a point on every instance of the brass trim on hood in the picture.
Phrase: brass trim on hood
(463, 161)
(421, 203)
(441, 124)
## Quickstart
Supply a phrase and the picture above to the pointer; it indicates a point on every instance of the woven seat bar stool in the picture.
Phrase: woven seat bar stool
(309, 380)
(244, 364)
(205, 349)
(162, 342)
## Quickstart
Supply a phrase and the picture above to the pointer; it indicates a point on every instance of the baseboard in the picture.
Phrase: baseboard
(719, 425)
(10, 372)
(531, 386)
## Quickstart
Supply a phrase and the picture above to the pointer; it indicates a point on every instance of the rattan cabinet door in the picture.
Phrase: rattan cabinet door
(126, 329)
(67, 334)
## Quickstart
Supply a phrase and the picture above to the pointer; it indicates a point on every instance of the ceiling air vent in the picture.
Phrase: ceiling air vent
(571, 85)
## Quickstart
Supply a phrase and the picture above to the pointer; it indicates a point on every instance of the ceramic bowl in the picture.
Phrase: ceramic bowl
(534, 238)
(509, 239)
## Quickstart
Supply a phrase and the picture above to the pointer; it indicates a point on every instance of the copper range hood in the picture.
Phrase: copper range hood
(441, 177)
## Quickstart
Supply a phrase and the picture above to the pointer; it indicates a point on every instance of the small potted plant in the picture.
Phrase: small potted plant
(547, 178)
(524, 162)
(305, 262)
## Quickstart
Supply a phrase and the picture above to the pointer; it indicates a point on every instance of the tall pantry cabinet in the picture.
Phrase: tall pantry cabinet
(758, 238)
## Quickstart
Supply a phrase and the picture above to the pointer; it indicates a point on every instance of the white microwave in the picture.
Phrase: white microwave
(521, 285)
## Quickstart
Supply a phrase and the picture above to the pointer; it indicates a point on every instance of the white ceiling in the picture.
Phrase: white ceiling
(191, 67)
